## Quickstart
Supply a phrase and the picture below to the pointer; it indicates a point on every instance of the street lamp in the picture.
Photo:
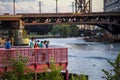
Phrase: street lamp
(14, 7)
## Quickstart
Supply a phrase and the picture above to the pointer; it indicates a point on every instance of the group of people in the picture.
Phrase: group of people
(33, 43)
(38, 44)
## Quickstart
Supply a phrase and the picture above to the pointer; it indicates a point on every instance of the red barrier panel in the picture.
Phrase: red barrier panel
(37, 56)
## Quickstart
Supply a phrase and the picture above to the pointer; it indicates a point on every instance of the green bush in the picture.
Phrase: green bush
(113, 74)
(78, 77)
(54, 73)
(19, 70)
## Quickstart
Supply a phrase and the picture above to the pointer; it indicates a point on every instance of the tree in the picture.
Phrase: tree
(74, 30)
(65, 30)
(113, 74)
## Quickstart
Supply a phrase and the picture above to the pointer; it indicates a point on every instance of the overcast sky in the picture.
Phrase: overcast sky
(48, 6)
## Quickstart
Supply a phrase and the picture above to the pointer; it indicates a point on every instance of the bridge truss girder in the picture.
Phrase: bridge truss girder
(107, 21)
(83, 6)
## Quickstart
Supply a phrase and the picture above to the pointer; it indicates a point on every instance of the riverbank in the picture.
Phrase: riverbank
(98, 39)
(44, 36)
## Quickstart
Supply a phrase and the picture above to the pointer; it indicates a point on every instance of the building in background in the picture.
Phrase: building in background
(111, 5)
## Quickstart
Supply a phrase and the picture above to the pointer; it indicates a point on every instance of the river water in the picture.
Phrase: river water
(87, 57)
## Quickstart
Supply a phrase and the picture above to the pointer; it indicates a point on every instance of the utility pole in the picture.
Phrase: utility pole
(90, 3)
(14, 7)
(72, 7)
(39, 6)
(56, 6)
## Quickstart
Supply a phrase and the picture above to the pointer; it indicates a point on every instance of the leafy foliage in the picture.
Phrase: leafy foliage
(54, 73)
(74, 30)
(65, 30)
(113, 74)
(74, 77)
(83, 77)
(19, 70)
(78, 77)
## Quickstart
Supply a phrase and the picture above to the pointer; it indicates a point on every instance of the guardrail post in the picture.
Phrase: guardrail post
(67, 75)
(35, 77)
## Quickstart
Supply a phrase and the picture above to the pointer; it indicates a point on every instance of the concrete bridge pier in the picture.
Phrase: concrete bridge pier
(19, 35)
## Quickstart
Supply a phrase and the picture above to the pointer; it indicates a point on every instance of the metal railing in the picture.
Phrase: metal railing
(35, 56)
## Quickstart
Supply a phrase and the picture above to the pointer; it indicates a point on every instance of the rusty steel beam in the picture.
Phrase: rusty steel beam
(52, 18)
(83, 6)
(68, 14)
(10, 17)
(78, 23)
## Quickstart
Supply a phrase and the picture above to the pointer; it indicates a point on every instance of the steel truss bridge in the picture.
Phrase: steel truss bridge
(109, 21)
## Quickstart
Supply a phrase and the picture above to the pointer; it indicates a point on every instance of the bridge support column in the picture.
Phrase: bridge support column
(19, 35)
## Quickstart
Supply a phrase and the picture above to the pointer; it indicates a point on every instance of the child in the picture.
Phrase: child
(36, 44)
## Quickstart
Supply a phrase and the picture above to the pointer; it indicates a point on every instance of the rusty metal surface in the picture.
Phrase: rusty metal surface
(83, 6)
(111, 20)
(69, 14)
(10, 17)
(70, 18)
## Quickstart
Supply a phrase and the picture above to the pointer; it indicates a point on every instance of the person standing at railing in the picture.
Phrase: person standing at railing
(2, 41)
(31, 43)
(36, 44)
(35, 53)
(46, 45)
(40, 44)
(8, 53)
(40, 51)
(7, 44)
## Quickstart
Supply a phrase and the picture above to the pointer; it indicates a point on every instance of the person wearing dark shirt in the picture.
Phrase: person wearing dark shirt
(8, 52)
(46, 44)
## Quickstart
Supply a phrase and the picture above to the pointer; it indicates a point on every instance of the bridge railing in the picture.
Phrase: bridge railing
(35, 56)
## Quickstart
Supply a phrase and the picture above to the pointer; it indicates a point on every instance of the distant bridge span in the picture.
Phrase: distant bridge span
(109, 21)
